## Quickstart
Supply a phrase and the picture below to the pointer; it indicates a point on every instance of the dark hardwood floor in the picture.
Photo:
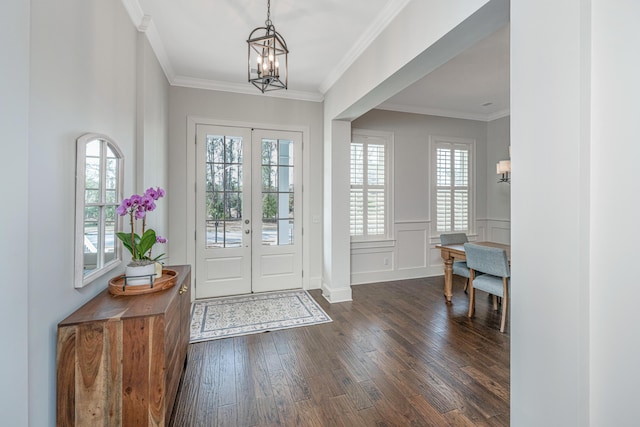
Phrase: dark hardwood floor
(396, 355)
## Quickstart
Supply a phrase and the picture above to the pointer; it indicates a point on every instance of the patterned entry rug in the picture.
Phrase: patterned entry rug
(251, 314)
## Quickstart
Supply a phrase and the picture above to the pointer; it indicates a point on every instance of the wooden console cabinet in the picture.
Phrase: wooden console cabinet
(120, 358)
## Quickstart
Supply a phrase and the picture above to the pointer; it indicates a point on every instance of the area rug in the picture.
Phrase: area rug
(251, 314)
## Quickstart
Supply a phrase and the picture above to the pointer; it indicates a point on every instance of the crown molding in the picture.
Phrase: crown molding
(135, 11)
(158, 48)
(144, 24)
(244, 88)
(499, 114)
(441, 113)
(388, 13)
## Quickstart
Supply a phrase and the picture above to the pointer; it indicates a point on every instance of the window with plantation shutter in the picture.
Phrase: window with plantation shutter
(370, 164)
(452, 189)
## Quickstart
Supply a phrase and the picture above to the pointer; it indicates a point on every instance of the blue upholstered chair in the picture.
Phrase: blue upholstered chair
(495, 278)
(459, 267)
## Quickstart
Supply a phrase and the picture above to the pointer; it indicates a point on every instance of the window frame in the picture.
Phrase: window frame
(102, 266)
(452, 143)
(367, 136)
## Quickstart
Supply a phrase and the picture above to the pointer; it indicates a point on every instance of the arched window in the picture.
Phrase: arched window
(99, 173)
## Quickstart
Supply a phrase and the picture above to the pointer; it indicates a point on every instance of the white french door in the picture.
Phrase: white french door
(248, 210)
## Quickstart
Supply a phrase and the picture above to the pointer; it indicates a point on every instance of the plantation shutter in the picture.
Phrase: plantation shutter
(368, 196)
(452, 187)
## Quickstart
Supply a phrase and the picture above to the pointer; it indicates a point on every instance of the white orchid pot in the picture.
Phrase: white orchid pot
(140, 275)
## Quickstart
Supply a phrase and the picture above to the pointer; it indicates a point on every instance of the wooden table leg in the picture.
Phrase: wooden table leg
(448, 278)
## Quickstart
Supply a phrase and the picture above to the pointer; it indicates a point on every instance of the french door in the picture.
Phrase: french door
(248, 210)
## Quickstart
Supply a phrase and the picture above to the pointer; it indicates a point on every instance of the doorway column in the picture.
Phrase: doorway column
(336, 283)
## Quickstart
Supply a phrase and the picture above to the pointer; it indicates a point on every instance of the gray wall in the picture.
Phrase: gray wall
(152, 151)
(14, 175)
(85, 76)
(412, 159)
(253, 110)
(498, 194)
(410, 250)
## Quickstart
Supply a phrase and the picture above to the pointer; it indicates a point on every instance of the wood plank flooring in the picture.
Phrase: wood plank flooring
(396, 355)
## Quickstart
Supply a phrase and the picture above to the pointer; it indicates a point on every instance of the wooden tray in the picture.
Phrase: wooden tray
(168, 279)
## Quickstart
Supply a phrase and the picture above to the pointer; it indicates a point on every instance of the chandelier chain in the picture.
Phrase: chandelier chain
(268, 22)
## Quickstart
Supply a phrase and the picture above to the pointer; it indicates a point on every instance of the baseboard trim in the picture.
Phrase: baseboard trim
(404, 274)
(335, 295)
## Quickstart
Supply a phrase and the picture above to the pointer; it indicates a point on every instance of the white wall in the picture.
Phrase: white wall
(412, 253)
(615, 190)
(83, 78)
(252, 110)
(14, 175)
(550, 215)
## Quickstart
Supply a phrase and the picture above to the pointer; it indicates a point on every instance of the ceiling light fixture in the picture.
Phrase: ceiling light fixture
(268, 54)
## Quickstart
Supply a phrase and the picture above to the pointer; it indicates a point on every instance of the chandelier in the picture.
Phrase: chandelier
(268, 57)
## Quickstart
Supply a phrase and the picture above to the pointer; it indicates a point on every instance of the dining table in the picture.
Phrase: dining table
(449, 253)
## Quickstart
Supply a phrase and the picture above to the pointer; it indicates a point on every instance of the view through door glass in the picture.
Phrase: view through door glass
(278, 196)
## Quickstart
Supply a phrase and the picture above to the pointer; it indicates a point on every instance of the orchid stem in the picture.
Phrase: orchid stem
(133, 241)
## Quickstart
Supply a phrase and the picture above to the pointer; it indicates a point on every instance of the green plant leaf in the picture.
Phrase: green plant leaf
(147, 241)
(125, 238)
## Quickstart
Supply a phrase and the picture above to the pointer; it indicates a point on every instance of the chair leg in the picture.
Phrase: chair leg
(466, 285)
(472, 295)
(495, 303)
(505, 298)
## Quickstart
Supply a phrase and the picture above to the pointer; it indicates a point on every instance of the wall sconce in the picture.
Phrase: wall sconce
(503, 168)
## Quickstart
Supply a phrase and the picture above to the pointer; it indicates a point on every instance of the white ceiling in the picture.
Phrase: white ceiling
(202, 43)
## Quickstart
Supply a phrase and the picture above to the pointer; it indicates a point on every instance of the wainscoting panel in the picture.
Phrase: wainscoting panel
(412, 246)
(371, 261)
(494, 230)
(412, 252)
(405, 257)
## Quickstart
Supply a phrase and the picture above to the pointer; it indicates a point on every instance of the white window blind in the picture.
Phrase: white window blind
(369, 196)
(452, 186)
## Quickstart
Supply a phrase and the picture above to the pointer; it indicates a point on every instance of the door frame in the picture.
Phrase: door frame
(190, 188)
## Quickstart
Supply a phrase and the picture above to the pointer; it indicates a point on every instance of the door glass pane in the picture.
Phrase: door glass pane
(269, 152)
(277, 191)
(269, 207)
(269, 178)
(269, 233)
(285, 152)
(215, 234)
(285, 231)
(223, 183)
